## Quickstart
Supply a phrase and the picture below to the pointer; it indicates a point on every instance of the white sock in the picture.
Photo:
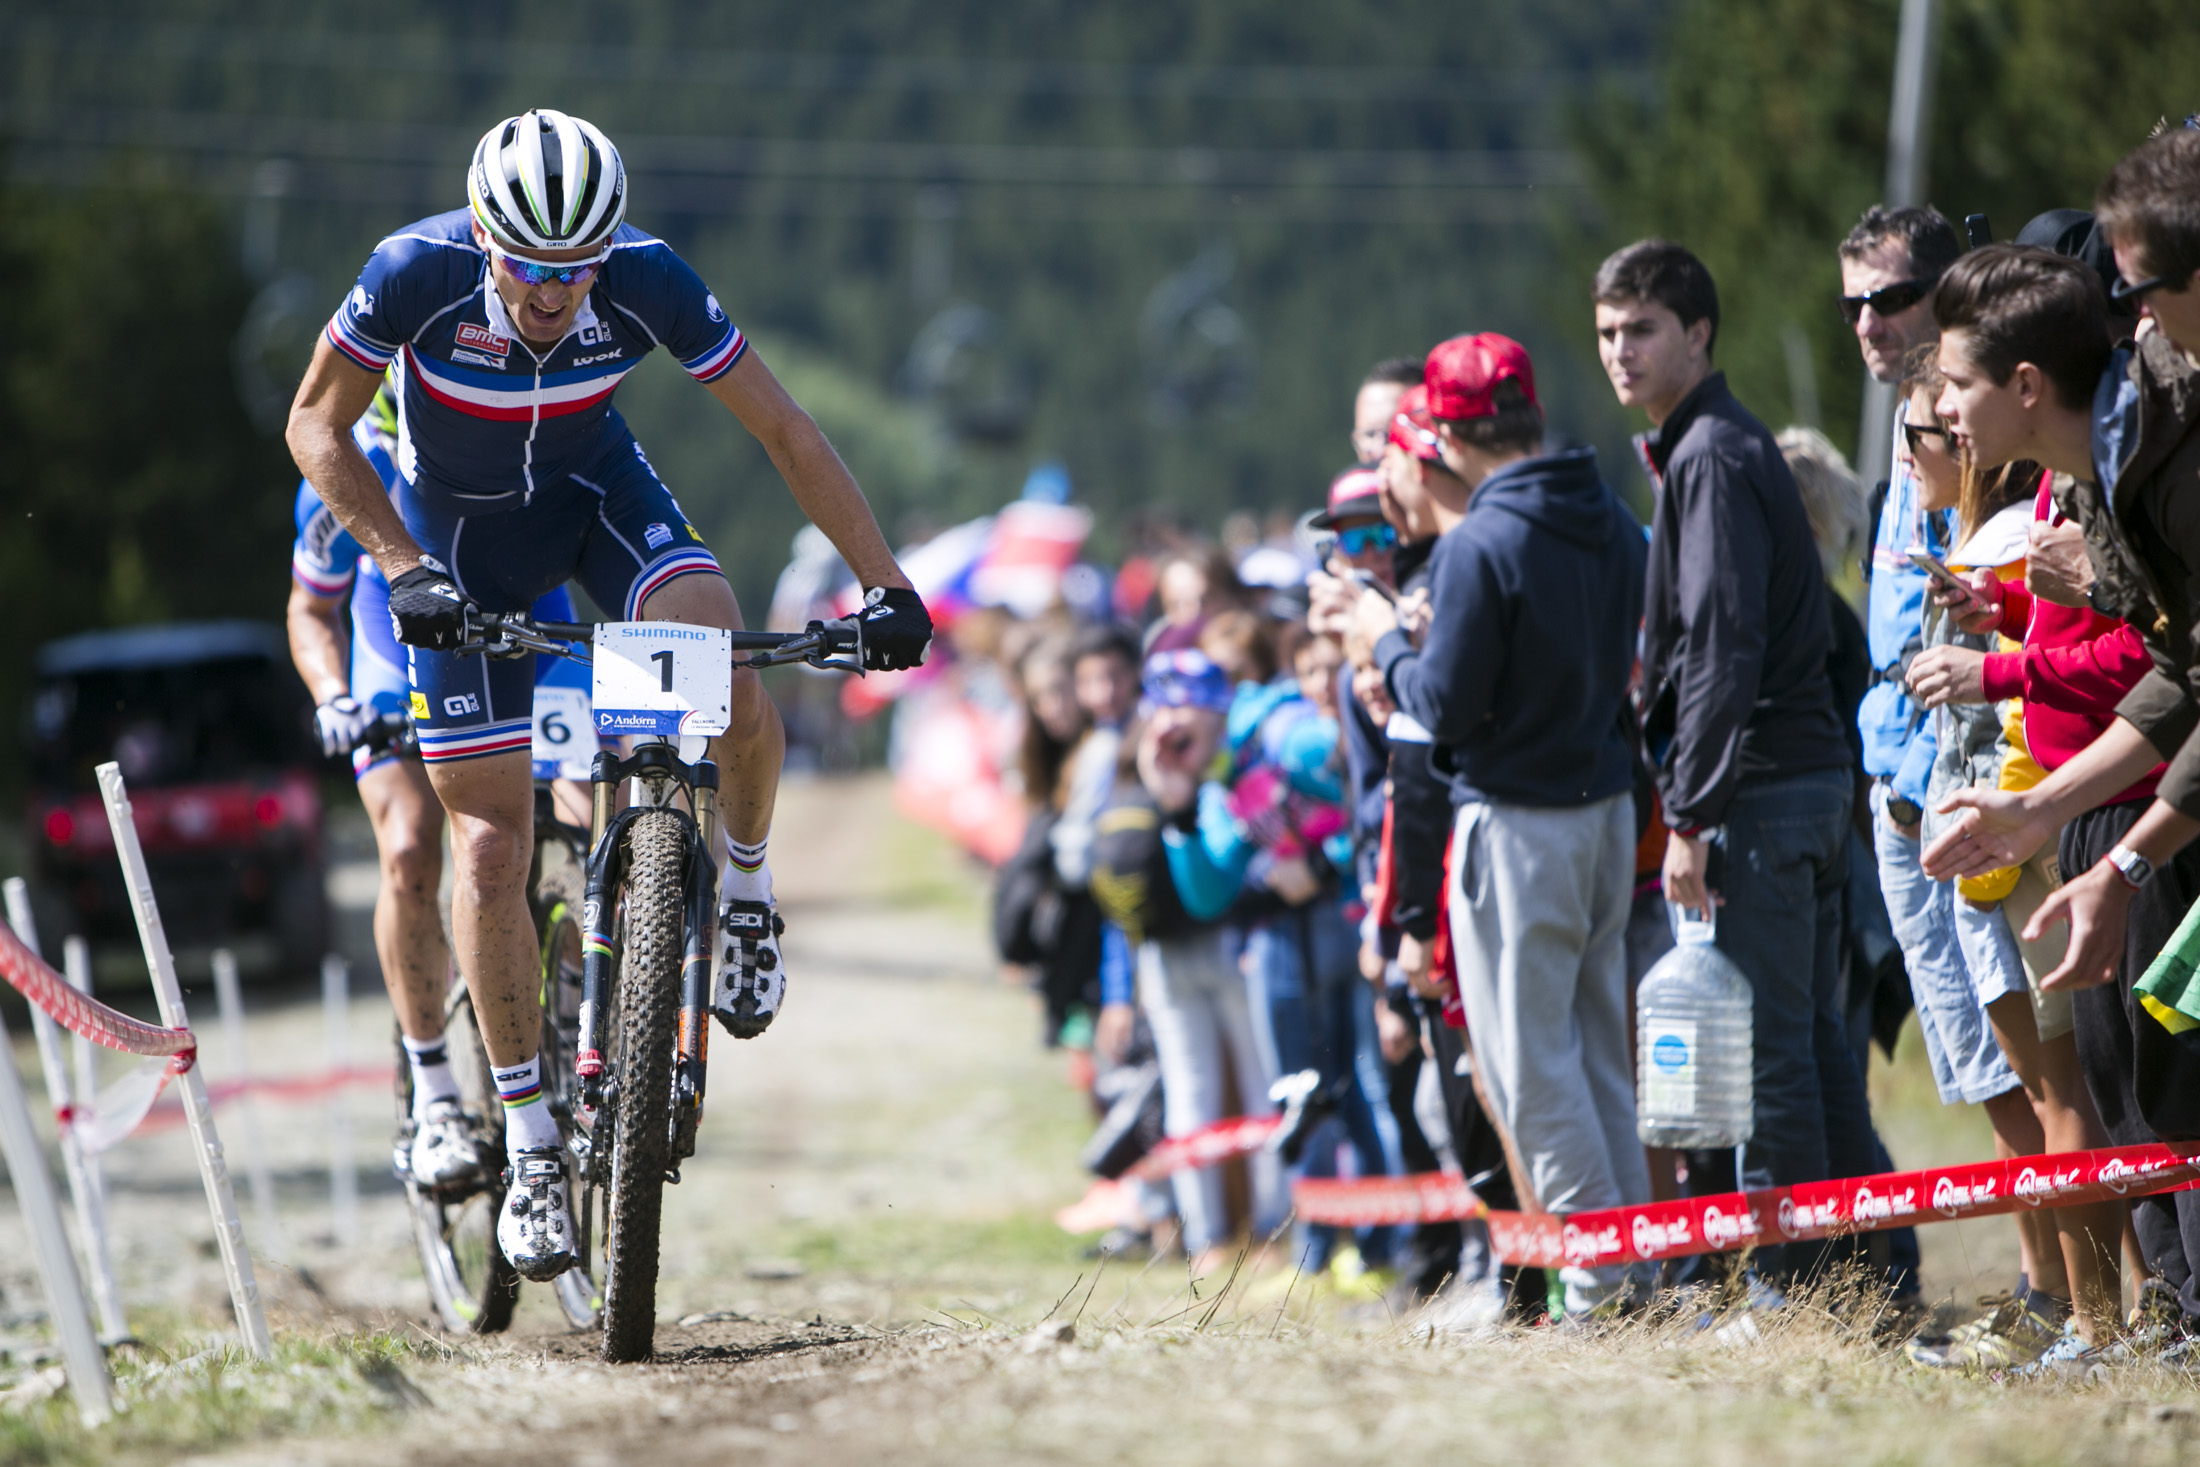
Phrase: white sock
(747, 878)
(528, 1123)
(432, 1080)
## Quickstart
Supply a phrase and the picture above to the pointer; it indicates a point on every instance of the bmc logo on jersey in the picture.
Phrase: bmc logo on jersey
(458, 705)
(481, 338)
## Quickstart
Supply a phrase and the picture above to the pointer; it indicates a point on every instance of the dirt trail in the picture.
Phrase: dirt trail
(859, 1253)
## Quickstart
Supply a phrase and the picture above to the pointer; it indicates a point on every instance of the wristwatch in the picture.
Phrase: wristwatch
(2134, 868)
(1902, 811)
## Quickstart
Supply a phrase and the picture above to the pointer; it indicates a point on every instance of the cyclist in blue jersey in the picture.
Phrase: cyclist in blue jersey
(510, 323)
(347, 654)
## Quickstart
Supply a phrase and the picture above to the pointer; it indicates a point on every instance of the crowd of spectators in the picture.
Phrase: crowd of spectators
(1379, 822)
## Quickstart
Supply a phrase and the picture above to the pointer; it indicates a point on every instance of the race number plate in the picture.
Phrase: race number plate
(565, 737)
(663, 678)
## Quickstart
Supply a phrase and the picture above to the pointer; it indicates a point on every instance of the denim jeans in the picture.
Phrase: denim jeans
(1328, 1025)
(1966, 1060)
(1782, 861)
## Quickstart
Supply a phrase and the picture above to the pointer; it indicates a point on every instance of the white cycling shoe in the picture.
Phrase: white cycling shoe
(535, 1225)
(444, 1151)
(748, 976)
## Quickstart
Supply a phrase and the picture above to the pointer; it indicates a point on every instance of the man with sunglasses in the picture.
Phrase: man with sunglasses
(1889, 263)
(511, 323)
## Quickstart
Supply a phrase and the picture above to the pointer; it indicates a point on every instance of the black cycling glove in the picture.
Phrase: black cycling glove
(428, 610)
(897, 630)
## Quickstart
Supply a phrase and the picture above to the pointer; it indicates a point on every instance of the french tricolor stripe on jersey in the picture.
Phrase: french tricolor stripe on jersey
(477, 394)
(679, 563)
(719, 359)
(475, 743)
(367, 353)
(322, 580)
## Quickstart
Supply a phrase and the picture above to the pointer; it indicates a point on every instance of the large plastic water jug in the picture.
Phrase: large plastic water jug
(1693, 1048)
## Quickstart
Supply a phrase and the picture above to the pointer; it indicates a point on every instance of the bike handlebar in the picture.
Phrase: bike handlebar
(834, 645)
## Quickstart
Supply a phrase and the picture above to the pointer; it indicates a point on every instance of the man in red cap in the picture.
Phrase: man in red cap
(1753, 766)
(1521, 681)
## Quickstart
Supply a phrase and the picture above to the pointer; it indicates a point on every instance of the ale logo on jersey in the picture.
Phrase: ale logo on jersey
(474, 339)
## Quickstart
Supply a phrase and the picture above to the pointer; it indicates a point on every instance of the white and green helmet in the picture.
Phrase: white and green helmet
(546, 181)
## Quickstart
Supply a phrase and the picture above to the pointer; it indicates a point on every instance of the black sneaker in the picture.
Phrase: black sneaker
(748, 978)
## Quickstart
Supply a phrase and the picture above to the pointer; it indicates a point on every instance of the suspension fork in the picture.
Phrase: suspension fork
(692, 1055)
(606, 865)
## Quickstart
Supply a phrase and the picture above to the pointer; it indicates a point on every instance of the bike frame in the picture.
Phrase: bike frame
(658, 775)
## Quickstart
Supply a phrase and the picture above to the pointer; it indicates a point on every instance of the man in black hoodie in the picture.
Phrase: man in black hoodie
(1522, 683)
(1738, 713)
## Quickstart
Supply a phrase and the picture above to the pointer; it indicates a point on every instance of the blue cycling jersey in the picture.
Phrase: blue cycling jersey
(483, 419)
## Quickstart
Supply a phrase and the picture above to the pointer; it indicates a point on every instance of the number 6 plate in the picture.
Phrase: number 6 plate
(663, 678)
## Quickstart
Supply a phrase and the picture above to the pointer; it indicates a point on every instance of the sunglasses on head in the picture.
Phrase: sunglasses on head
(536, 272)
(1361, 539)
(1916, 431)
(1888, 300)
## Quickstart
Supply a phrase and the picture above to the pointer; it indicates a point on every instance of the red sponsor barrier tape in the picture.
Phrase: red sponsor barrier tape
(1733, 1220)
(80, 1014)
(288, 1087)
(1210, 1145)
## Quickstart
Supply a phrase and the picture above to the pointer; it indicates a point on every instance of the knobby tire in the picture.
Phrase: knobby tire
(641, 1061)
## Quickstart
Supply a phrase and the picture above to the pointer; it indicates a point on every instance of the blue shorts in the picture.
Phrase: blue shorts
(615, 529)
(378, 677)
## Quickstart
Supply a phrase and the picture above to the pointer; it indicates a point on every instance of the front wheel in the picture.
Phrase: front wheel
(637, 1123)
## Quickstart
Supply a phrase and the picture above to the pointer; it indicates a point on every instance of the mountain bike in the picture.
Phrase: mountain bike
(647, 926)
(474, 1290)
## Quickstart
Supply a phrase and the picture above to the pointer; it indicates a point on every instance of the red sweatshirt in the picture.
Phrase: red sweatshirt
(2075, 667)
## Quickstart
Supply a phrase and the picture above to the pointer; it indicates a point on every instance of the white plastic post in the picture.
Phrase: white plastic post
(343, 1175)
(76, 966)
(91, 1213)
(81, 1356)
(229, 996)
(198, 1110)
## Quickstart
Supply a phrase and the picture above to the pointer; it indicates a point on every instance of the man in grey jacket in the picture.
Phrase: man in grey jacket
(1753, 767)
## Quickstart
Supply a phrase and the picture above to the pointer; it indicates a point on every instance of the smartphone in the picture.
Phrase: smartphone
(1931, 564)
(1367, 580)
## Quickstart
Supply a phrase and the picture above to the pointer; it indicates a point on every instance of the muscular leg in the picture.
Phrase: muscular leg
(492, 806)
(754, 745)
(408, 929)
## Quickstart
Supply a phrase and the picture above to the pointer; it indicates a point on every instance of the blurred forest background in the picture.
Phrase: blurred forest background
(1155, 243)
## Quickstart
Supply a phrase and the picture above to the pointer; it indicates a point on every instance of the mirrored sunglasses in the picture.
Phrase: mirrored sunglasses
(535, 272)
(1362, 539)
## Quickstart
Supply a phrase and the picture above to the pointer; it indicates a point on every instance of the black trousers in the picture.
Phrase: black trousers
(2145, 1081)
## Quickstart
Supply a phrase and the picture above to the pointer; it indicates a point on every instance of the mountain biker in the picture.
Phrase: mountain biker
(512, 321)
(347, 654)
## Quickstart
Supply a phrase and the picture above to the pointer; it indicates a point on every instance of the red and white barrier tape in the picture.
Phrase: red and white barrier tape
(1210, 1145)
(80, 1014)
(1734, 1220)
(286, 1087)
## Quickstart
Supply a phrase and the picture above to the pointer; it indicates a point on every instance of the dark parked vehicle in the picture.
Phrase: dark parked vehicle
(212, 729)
